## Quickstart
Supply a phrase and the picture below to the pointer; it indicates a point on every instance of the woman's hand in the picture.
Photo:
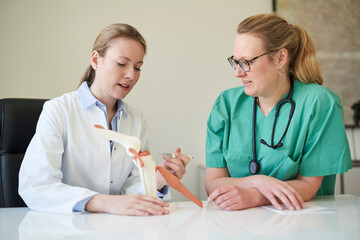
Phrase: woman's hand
(232, 198)
(259, 190)
(176, 165)
(277, 192)
(135, 205)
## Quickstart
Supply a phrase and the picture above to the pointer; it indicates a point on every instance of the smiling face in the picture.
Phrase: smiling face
(117, 72)
(263, 79)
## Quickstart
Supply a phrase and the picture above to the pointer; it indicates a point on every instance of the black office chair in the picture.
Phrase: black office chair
(18, 119)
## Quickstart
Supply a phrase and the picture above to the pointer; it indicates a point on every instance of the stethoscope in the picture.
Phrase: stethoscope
(254, 165)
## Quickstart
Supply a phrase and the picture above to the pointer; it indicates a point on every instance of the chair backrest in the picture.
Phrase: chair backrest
(18, 119)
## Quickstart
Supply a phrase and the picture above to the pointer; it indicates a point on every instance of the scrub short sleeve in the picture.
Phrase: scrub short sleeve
(215, 135)
(326, 151)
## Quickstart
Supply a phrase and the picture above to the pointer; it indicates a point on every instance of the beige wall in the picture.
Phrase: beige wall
(45, 46)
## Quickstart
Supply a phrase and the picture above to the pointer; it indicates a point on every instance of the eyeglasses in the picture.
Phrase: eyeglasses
(245, 64)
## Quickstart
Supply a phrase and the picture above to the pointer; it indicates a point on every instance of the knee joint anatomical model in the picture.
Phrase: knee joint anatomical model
(146, 164)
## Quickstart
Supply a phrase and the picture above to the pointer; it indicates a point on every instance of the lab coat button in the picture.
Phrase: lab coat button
(111, 181)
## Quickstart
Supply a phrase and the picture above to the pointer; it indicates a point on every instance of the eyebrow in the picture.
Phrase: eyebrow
(242, 58)
(130, 59)
(239, 59)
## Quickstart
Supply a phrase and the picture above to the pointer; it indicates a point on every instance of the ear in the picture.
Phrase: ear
(281, 58)
(95, 56)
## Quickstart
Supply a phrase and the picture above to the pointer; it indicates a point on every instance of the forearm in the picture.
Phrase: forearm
(213, 184)
(306, 186)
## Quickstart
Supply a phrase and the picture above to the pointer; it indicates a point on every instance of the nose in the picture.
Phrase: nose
(239, 72)
(130, 74)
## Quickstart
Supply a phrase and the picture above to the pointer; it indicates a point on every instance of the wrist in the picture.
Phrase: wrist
(160, 186)
(253, 181)
(258, 199)
(160, 182)
(96, 203)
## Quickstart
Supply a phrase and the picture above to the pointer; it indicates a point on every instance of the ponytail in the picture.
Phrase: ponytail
(88, 75)
(305, 66)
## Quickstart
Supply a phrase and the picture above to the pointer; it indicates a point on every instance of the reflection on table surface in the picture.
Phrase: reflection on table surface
(190, 222)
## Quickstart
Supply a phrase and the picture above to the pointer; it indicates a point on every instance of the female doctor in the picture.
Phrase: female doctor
(279, 138)
(66, 167)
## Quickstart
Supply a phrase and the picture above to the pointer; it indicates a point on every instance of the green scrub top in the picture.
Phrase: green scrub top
(314, 145)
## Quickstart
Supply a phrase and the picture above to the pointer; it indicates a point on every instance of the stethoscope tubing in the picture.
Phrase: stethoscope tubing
(254, 165)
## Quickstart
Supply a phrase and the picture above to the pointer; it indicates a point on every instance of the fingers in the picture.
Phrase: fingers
(229, 198)
(279, 192)
(299, 198)
(284, 193)
(154, 200)
(274, 201)
(184, 158)
(220, 193)
(146, 205)
(177, 164)
(292, 199)
(214, 194)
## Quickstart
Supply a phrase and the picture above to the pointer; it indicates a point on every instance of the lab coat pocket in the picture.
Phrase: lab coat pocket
(279, 166)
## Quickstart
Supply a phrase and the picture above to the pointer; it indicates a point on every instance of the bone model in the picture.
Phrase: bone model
(146, 164)
(146, 167)
(147, 175)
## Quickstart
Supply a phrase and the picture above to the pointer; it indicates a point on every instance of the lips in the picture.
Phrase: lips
(124, 85)
(245, 83)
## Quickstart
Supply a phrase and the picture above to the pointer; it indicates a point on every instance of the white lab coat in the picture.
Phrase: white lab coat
(66, 162)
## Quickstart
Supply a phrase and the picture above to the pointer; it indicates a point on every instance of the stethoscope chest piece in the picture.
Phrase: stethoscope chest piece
(254, 167)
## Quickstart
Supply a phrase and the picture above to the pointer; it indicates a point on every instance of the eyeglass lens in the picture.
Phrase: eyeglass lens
(234, 64)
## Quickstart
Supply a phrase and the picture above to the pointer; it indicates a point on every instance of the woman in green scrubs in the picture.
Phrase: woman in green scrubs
(254, 157)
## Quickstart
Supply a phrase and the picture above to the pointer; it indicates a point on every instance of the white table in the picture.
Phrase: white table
(191, 222)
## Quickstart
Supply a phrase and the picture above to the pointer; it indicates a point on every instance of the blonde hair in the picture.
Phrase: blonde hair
(277, 33)
(104, 39)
